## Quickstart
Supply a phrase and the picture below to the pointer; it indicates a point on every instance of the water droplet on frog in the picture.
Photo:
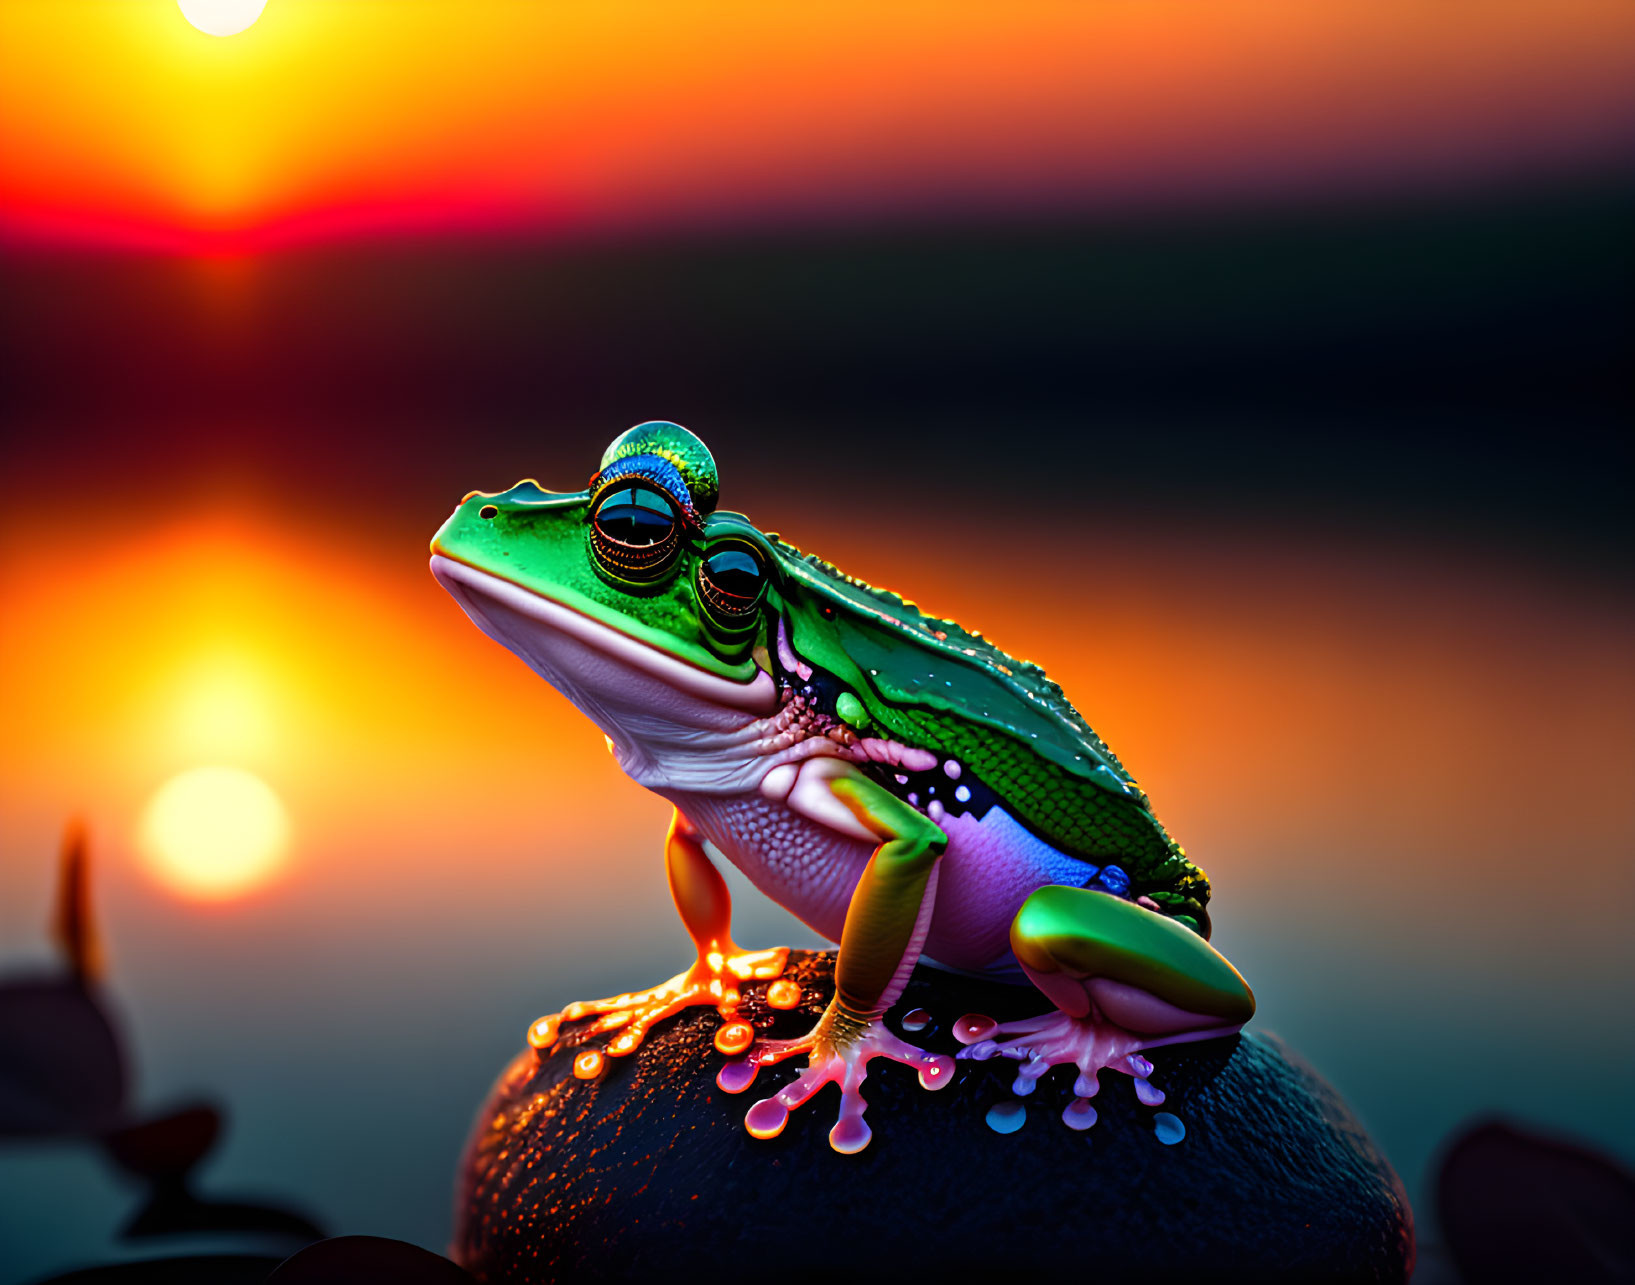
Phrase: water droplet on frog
(916, 1019)
(953, 769)
(963, 793)
(973, 1027)
(1168, 1128)
(1007, 1117)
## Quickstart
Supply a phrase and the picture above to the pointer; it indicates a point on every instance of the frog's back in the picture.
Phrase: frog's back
(1010, 729)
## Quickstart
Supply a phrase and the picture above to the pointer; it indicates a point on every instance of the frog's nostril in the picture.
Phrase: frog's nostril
(488, 511)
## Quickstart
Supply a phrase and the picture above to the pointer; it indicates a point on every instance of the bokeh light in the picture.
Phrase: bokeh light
(221, 17)
(215, 833)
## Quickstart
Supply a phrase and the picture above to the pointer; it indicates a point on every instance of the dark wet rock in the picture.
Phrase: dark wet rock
(648, 1171)
(1515, 1206)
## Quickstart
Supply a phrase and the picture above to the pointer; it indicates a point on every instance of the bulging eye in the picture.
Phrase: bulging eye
(635, 533)
(731, 583)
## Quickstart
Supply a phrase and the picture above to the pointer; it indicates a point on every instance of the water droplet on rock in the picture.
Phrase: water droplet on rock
(1168, 1128)
(783, 993)
(1007, 1117)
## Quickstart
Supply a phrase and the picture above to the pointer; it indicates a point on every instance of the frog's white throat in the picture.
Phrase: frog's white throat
(648, 703)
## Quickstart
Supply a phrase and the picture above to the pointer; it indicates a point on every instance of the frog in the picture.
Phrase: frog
(900, 784)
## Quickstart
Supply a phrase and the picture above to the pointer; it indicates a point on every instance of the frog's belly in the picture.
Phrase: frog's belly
(990, 868)
(803, 865)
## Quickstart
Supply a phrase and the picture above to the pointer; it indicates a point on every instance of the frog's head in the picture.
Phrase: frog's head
(633, 597)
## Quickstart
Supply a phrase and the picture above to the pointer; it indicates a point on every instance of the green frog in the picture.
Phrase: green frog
(897, 782)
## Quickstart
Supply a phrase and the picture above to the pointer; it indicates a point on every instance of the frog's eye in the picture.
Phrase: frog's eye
(731, 584)
(635, 533)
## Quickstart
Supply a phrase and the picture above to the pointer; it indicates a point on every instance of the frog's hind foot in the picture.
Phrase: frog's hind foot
(839, 1050)
(1091, 1044)
(716, 979)
(1124, 980)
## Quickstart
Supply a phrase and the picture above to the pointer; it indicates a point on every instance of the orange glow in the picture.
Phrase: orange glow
(214, 833)
(1257, 696)
(396, 739)
(1288, 713)
(119, 124)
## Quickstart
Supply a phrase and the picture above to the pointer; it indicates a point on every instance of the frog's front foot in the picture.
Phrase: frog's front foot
(1091, 1044)
(839, 1050)
(715, 979)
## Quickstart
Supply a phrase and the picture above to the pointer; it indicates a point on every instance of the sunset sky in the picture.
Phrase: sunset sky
(1260, 369)
(122, 125)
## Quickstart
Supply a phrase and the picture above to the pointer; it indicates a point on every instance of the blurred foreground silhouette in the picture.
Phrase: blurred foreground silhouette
(1515, 1206)
(65, 1078)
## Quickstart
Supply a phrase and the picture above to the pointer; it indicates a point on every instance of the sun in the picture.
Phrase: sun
(221, 17)
(214, 833)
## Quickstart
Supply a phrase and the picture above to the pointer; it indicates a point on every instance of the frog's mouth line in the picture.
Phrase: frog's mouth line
(480, 592)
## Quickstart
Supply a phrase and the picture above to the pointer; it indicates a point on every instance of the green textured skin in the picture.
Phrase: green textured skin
(1003, 718)
(921, 680)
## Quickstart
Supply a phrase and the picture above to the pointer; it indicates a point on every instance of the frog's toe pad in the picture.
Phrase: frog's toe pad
(830, 1062)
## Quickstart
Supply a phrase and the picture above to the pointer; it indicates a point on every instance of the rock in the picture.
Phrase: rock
(648, 1171)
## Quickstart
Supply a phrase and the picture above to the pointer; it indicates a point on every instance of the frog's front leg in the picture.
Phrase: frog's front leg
(705, 907)
(885, 927)
(1124, 979)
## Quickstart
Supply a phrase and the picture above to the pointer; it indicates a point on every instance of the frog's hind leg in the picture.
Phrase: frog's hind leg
(705, 907)
(1124, 979)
